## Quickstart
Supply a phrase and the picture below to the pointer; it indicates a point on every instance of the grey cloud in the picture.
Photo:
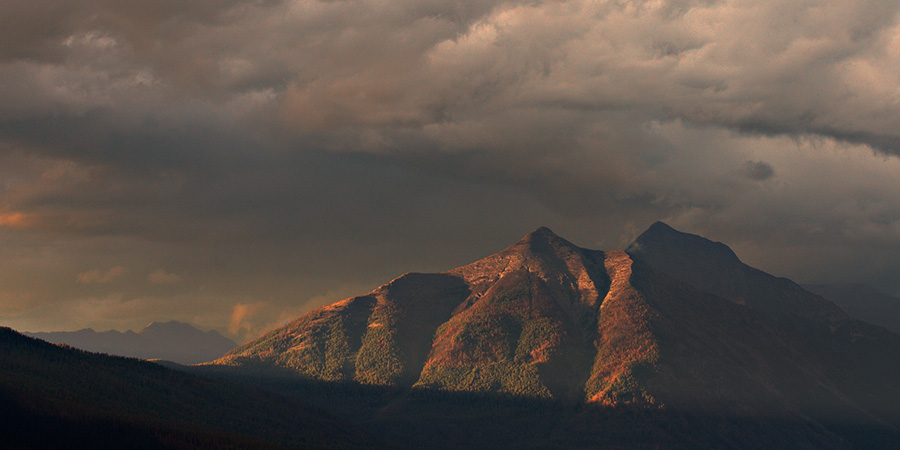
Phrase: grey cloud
(100, 276)
(384, 69)
(758, 170)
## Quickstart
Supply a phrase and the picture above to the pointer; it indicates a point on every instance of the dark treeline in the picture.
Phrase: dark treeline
(53, 394)
(24, 425)
(58, 397)
(435, 419)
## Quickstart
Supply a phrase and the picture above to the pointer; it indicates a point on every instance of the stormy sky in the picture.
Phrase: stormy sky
(234, 163)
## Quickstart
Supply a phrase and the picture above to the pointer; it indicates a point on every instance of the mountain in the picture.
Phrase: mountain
(172, 341)
(675, 323)
(54, 396)
(863, 302)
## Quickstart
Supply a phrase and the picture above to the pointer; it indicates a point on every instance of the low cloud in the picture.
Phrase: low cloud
(100, 276)
(160, 276)
(243, 318)
(14, 220)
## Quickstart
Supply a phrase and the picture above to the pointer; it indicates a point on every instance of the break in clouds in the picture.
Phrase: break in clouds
(235, 163)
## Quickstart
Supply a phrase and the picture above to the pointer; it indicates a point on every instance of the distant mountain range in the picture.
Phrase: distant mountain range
(171, 341)
(675, 322)
(863, 302)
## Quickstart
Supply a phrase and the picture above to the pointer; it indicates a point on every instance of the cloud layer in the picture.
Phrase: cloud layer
(266, 152)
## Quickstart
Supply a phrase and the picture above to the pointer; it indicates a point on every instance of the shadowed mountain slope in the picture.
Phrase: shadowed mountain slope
(171, 341)
(714, 268)
(677, 322)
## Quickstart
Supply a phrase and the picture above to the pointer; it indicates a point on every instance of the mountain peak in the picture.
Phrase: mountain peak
(662, 238)
(541, 233)
(168, 325)
(542, 244)
(660, 226)
(541, 238)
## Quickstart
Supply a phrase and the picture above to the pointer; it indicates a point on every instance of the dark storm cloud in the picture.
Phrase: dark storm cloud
(325, 138)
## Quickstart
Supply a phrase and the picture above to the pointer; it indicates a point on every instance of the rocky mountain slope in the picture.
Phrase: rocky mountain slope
(676, 322)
